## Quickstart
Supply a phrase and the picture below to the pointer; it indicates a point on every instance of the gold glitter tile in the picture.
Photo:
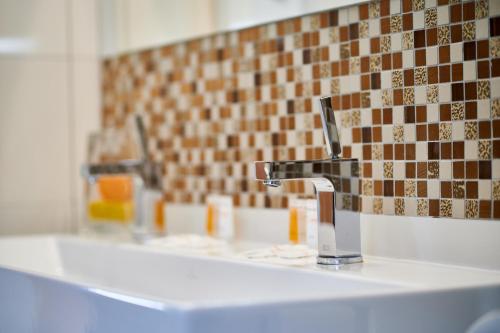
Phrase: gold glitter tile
(496, 190)
(314, 22)
(388, 170)
(495, 108)
(385, 43)
(483, 89)
(324, 70)
(418, 4)
(481, 8)
(443, 35)
(377, 152)
(407, 40)
(458, 189)
(355, 65)
(457, 111)
(420, 76)
(445, 207)
(409, 96)
(365, 99)
(471, 209)
(495, 47)
(335, 86)
(396, 23)
(363, 29)
(374, 9)
(469, 31)
(399, 206)
(356, 118)
(432, 94)
(433, 169)
(333, 35)
(398, 133)
(470, 130)
(367, 186)
(430, 17)
(410, 188)
(375, 63)
(445, 131)
(387, 97)
(346, 201)
(422, 207)
(397, 79)
(346, 119)
(484, 149)
(378, 206)
(345, 51)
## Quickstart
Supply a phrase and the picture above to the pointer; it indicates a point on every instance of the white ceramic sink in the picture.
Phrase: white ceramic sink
(64, 283)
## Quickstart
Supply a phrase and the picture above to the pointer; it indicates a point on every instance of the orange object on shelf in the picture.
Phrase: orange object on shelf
(115, 188)
(159, 216)
(210, 225)
(294, 226)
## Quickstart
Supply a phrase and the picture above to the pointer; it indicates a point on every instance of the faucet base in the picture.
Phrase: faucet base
(341, 260)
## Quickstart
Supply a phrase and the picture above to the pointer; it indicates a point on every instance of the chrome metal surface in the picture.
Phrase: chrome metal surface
(272, 183)
(339, 260)
(337, 186)
(330, 130)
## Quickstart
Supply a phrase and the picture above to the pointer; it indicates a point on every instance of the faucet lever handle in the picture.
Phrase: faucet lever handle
(330, 130)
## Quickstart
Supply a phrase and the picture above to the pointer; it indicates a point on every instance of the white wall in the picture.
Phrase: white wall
(137, 24)
(49, 100)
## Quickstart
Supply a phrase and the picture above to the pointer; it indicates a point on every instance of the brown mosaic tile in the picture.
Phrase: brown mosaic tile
(397, 82)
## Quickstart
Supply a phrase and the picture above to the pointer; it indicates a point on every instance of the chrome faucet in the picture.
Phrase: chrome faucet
(148, 171)
(147, 177)
(337, 186)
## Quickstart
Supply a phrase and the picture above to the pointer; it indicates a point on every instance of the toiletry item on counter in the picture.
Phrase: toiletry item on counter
(297, 219)
(220, 216)
(312, 223)
(108, 211)
(303, 227)
(152, 222)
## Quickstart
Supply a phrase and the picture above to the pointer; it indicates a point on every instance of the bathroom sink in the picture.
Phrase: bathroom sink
(68, 283)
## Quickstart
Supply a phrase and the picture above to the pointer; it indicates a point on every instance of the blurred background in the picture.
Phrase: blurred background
(50, 54)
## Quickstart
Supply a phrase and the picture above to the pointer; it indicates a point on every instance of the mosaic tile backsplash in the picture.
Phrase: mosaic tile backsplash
(415, 85)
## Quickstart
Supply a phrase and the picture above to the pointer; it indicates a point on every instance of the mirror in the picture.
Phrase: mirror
(127, 25)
